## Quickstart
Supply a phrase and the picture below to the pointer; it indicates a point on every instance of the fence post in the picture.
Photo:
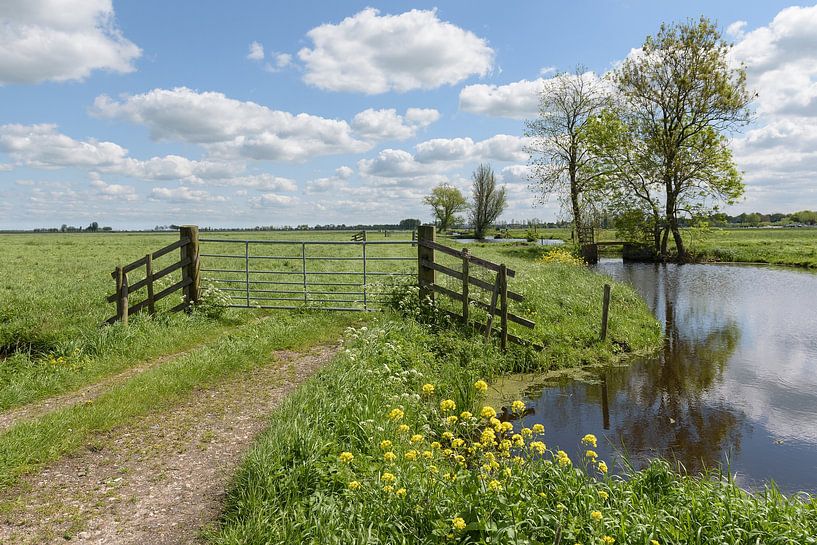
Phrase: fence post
(190, 271)
(425, 275)
(122, 295)
(605, 310)
(503, 304)
(465, 282)
(149, 277)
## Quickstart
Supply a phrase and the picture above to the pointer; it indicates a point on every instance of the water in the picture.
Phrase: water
(539, 241)
(735, 383)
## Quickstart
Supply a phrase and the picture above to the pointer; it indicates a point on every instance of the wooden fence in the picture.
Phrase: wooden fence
(359, 236)
(499, 292)
(188, 263)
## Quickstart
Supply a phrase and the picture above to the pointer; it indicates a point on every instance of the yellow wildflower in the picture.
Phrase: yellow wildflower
(488, 412)
(563, 458)
(390, 457)
(465, 415)
(353, 485)
(537, 446)
(507, 472)
(448, 436)
(388, 477)
(458, 523)
(602, 467)
(403, 428)
(416, 438)
(451, 420)
(654, 542)
(538, 428)
(448, 452)
(595, 515)
(560, 506)
(435, 444)
(447, 405)
(433, 469)
(495, 485)
(411, 455)
(400, 492)
(607, 540)
(591, 454)
(507, 427)
(396, 414)
(518, 440)
(505, 445)
(603, 495)
(518, 406)
(385, 444)
(388, 488)
(481, 386)
(457, 443)
(428, 455)
(428, 389)
(589, 439)
(526, 432)
(346, 457)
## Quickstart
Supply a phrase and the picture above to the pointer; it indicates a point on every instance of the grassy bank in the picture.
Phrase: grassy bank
(794, 247)
(368, 452)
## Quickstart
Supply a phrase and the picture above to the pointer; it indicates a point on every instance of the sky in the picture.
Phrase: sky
(145, 112)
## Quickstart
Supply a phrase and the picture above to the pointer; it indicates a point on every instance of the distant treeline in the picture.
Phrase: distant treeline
(753, 219)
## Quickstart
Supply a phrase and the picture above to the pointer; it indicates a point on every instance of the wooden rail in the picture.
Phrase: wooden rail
(427, 268)
(359, 236)
(188, 263)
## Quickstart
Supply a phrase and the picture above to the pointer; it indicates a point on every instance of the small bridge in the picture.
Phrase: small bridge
(590, 246)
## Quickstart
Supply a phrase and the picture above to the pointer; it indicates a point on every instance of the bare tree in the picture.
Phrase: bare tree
(489, 201)
(560, 161)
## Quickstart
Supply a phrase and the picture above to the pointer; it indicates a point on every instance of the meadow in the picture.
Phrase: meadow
(794, 246)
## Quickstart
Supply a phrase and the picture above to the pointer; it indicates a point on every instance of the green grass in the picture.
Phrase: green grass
(295, 488)
(795, 247)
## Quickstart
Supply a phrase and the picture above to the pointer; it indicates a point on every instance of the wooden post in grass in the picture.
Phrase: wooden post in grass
(465, 280)
(425, 275)
(503, 304)
(605, 311)
(191, 270)
(149, 278)
(121, 295)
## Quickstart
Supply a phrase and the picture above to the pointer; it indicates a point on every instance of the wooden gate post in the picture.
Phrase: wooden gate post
(190, 271)
(425, 275)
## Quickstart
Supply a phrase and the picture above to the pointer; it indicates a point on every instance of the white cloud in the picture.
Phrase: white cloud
(184, 194)
(260, 182)
(386, 124)
(517, 100)
(44, 147)
(272, 200)
(256, 52)
(60, 40)
(114, 191)
(737, 29)
(372, 54)
(282, 60)
(231, 128)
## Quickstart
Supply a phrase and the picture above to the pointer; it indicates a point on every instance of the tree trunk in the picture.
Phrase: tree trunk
(679, 242)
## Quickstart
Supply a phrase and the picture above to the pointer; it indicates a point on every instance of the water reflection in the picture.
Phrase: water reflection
(735, 381)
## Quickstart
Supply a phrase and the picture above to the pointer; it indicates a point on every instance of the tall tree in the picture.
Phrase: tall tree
(559, 158)
(488, 200)
(446, 201)
(682, 96)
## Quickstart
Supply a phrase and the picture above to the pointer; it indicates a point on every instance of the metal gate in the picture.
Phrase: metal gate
(319, 274)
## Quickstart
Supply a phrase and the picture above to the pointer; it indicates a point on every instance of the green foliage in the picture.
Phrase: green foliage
(446, 201)
(213, 302)
(488, 201)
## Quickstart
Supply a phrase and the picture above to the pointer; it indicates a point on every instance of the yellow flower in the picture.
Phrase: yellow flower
(436, 444)
(488, 412)
(388, 477)
(507, 427)
(563, 458)
(457, 443)
(595, 515)
(465, 415)
(400, 492)
(451, 420)
(518, 406)
(403, 428)
(518, 440)
(654, 542)
(396, 414)
(428, 455)
(507, 472)
(495, 485)
(385, 444)
(428, 389)
(346, 457)
(505, 445)
(538, 446)
(560, 506)
(353, 485)
(388, 488)
(602, 467)
(433, 469)
(589, 439)
(450, 476)
(390, 457)
(458, 523)
(591, 454)
(526, 432)
(488, 436)
(448, 436)
(607, 540)
(538, 428)
(411, 455)
(603, 495)
(447, 405)
(481, 386)
(416, 438)
(495, 423)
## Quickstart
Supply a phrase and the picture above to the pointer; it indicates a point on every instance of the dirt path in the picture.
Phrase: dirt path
(160, 480)
(86, 393)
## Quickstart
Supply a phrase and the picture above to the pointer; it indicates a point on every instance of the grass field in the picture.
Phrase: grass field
(796, 247)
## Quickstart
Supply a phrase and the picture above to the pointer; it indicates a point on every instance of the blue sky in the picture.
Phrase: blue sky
(134, 114)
